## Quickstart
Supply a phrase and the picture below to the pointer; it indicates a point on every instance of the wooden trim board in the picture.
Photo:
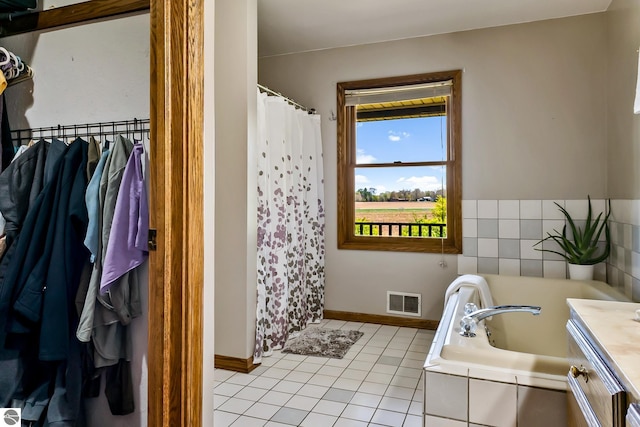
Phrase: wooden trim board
(235, 364)
(176, 269)
(73, 14)
(382, 319)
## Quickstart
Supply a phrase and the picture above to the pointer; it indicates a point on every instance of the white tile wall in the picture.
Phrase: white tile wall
(508, 209)
(492, 403)
(550, 210)
(470, 227)
(469, 209)
(488, 248)
(527, 249)
(623, 270)
(487, 209)
(577, 208)
(509, 229)
(446, 396)
(530, 209)
(540, 407)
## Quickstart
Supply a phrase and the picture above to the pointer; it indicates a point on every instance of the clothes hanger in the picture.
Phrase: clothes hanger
(6, 56)
(15, 65)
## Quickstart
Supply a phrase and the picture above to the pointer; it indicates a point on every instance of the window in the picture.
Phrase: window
(399, 166)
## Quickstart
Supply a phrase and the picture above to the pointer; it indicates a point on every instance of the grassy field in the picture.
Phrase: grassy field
(393, 211)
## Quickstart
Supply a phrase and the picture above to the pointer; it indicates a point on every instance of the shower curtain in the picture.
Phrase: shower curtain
(290, 243)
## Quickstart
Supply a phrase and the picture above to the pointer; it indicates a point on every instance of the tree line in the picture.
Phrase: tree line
(369, 195)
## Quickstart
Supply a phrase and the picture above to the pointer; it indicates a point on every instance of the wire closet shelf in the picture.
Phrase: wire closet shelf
(134, 129)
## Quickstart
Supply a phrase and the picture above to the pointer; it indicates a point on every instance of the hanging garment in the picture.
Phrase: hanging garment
(10, 6)
(128, 241)
(92, 199)
(3, 83)
(110, 180)
(93, 157)
(23, 254)
(52, 285)
(105, 318)
(5, 136)
(42, 316)
(31, 168)
(24, 179)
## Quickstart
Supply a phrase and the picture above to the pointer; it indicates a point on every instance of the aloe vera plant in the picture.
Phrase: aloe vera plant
(581, 247)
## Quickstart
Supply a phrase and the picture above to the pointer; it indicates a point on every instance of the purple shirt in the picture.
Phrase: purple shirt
(128, 239)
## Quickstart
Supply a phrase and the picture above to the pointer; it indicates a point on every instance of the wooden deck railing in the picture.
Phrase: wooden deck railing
(400, 229)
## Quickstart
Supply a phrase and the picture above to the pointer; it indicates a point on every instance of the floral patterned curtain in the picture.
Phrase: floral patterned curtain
(290, 262)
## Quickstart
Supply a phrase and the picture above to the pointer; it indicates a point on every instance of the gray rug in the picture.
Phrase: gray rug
(323, 342)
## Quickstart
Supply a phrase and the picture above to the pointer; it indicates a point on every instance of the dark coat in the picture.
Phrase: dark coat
(23, 180)
(46, 289)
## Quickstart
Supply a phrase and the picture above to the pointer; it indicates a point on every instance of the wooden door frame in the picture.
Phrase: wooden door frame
(176, 269)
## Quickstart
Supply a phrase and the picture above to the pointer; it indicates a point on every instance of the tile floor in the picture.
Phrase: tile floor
(377, 383)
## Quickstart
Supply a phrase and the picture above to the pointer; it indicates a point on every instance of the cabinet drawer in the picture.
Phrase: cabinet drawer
(597, 391)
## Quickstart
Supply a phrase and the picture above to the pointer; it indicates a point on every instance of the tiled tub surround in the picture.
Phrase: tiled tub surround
(467, 380)
(623, 267)
(499, 238)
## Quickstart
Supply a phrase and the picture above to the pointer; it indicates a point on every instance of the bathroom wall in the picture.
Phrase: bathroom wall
(235, 207)
(623, 145)
(533, 129)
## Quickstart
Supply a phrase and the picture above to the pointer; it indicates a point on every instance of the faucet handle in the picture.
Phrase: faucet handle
(468, 326)
(470, 308)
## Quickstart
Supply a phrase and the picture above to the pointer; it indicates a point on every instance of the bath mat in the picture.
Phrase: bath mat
(322, 342)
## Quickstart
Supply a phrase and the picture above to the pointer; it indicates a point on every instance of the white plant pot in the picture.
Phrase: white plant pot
(580, 272)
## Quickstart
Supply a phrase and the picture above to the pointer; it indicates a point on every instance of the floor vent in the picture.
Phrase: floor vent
(404, 303)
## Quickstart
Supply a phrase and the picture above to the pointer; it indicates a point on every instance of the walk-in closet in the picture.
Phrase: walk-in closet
(100, 75)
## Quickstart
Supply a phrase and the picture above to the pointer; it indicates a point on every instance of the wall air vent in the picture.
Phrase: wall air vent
(404, 303)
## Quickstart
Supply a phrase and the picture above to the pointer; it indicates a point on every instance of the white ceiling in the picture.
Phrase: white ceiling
(289, 26)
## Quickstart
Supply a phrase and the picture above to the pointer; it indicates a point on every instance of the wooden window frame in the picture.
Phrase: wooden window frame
(347, 239)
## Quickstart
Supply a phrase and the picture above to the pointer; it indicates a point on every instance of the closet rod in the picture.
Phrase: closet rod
(289, 100)
(127, 127)
(66, 15)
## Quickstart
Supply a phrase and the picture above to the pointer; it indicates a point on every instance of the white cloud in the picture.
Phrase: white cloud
(362, 158)
(425, 183)
(397, 136)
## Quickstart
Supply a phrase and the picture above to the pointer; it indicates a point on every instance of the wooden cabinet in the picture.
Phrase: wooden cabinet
(603, 381)
(593, 389)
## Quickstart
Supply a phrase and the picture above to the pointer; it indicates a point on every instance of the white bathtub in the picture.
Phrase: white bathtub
(528, 351)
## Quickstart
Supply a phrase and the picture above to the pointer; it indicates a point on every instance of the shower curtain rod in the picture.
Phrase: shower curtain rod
(289, 100)
(84, 130)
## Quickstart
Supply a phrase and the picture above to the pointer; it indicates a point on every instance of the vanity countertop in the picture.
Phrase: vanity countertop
(617, 336)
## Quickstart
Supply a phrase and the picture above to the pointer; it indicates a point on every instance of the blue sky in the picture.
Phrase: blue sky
(388, 141)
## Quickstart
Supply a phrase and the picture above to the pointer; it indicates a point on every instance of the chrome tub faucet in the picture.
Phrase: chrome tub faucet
(472, 315)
